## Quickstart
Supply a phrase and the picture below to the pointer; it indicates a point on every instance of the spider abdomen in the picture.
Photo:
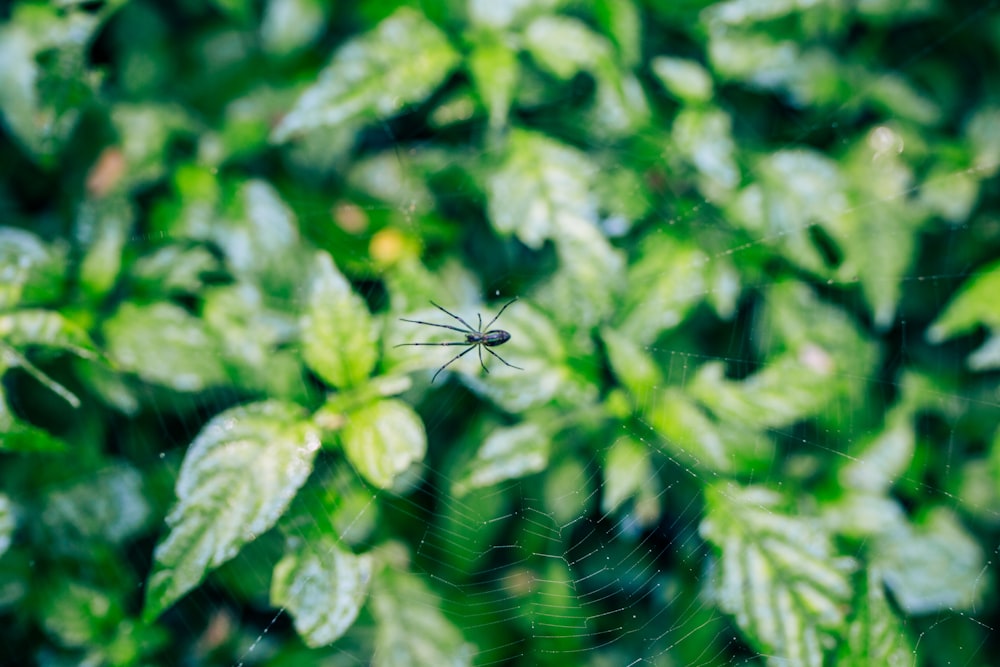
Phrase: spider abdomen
(490, 338)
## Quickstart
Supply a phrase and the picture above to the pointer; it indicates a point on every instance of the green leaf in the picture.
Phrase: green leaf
(31, 271)
(932, 566)
(45, 83)
(338, 334)
(704, 137)
(631, 364)
(779, 574)
(383, 440)
(46, 329)
(400, 62)
(508, 453)
(685, 79)
(875, 634)
(698, 439)
(494, 67)
(174, 269)
(107, 507)
(19, 436)
(538, 184)
(410, 628)
(974, 304)
(237, 479)
(102, 227)
(627, 469)
(289, 26)
(565, 46)
(323, 586)
(164, 344)
(8, 522)
(882, 459)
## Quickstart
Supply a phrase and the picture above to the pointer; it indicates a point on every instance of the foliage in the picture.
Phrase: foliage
(755, 248)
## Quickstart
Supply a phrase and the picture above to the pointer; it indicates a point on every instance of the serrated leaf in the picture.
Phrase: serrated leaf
(875, 634)
(565, 46)
(780, 576)
(338, 334)
(932, 566)
(508, 453)
(323, 586)
(383, 440)
(237, 479)
(400, 62)
(538, 182)
(410, 628)
(164, 344)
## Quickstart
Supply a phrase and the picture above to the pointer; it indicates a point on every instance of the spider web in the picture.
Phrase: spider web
(652, 521)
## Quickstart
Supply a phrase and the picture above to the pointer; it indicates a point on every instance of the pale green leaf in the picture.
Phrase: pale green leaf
(983, 136)
(883, 458)
(508, 453)
(494, 68)
(780, 576)
(401, 61)
(565, 46)
(108, 506)
(698, 439)
(568, 490)
(45, 82)
(631, 364)
(383, 440)
(8, 522)
(237, 479)
(623, 23)
(685, 79)
(46, 329)
(974, 304)
(934, 565)
(174, 269)
(627, 469)
(338, 333)
(704, 138)
(31, 271)
(102, 227)
(164, 344)
(538, 182)
(410, 628)
(875, 634)
(585, 291)
(289, 26)
(323, 587)
(145, 132)
(497, 14)
(664, 283)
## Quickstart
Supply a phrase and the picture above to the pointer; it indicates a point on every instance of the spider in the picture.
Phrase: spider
(479, 338)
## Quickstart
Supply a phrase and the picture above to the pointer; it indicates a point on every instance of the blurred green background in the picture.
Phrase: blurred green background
(755, 248)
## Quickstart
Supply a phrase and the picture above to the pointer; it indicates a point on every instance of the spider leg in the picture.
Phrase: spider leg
(448, 312)
(481, 346)
(498, 315)
(457, 342)
(501, 359)
(443, 326)
(453, 360)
